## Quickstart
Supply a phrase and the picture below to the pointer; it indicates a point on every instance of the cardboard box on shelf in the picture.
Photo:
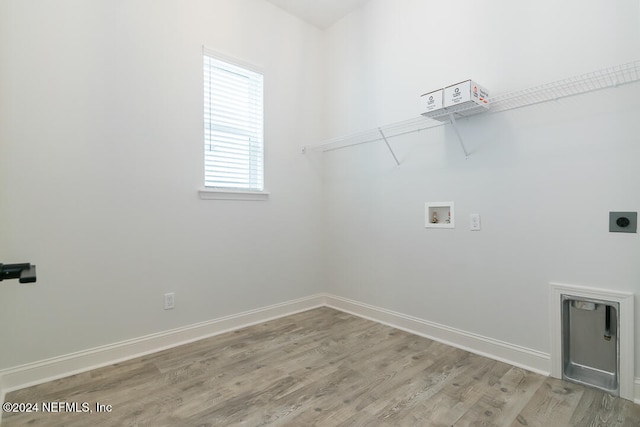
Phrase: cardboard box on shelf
(466, 98)
(431, 101)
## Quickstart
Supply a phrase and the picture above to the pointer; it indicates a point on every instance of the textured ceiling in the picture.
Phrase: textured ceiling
(320, 13)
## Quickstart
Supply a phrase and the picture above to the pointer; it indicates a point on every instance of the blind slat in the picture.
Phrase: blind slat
(233, 126)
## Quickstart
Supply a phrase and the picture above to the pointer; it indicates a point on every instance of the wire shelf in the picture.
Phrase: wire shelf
(597, 80)
(393, 130)
(589, 82)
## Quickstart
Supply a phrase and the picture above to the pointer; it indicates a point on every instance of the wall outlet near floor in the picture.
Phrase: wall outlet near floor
(169, 300)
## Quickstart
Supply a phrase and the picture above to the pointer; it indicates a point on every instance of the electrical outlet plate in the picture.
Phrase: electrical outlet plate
(474, 222)
(623, 222)
(169, 301)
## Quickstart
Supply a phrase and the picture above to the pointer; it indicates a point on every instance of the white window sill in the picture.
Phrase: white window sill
(221, 194)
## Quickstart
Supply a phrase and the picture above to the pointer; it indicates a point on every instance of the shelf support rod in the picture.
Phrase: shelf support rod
(389, 147)
(454, 124)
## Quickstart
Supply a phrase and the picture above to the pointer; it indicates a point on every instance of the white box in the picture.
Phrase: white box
(431, 101)
(466, 98)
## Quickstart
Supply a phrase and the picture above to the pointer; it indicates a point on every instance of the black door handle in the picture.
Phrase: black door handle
(24, 272)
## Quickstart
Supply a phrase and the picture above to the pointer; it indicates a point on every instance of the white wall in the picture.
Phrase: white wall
(543, 178)
(101, 158)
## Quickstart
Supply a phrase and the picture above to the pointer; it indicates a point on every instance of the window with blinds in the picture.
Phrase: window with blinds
(233, 126)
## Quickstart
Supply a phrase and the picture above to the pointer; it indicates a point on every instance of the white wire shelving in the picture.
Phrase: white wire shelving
(597, 80)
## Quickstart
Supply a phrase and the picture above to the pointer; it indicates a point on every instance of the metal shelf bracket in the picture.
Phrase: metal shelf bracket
(454, 124)
(389, 147)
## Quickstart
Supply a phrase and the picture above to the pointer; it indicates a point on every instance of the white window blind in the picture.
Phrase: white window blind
(233, 126)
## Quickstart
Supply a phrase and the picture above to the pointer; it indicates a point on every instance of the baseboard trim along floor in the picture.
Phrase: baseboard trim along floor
(522, 357)
(58, 367)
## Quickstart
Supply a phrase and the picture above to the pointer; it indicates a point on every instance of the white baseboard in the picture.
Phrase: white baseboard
(58, 367)
(512, 354)
(532, 360)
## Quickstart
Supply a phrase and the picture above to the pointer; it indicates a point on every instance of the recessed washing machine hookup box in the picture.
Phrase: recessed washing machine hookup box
(466, 95)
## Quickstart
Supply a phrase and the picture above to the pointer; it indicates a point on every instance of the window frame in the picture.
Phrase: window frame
(231, 192)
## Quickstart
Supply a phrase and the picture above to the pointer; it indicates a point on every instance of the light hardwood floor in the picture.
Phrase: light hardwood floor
(319, 368)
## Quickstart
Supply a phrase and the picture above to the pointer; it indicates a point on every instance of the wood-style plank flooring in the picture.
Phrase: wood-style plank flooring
(319, 368)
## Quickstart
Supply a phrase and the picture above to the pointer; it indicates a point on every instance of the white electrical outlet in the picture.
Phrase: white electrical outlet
(169, 301)
(474, 222)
